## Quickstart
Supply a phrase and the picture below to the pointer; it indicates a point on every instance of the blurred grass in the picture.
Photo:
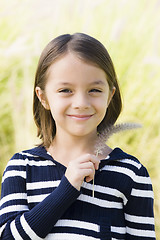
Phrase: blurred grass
(130, 30)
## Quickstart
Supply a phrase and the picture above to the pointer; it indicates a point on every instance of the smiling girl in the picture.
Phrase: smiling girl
(47, 190)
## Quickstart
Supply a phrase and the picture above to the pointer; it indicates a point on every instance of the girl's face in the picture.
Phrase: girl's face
(77, 94)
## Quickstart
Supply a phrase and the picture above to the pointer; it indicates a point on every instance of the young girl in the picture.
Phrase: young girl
(47, 190)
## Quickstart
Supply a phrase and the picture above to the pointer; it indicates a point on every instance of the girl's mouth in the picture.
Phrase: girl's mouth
(80, 117)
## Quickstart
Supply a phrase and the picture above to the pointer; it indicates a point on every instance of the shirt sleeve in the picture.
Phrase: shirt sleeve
(17, 221)
(138, 210)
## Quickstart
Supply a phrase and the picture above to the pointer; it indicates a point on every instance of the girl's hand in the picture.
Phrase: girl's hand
(80, 168)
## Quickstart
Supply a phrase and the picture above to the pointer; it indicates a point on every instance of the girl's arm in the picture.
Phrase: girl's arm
(139, 214)
(16, 220)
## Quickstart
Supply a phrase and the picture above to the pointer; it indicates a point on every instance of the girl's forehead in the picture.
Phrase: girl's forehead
(72, 64)
(74, 58)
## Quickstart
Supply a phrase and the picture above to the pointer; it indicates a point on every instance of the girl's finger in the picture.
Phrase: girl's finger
(90, 158)
(87, 165)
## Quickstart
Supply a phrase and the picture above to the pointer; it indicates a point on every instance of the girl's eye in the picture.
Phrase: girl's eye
(95, 90)
(66, 90)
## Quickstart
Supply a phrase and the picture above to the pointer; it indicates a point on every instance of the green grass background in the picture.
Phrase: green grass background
(130, 30)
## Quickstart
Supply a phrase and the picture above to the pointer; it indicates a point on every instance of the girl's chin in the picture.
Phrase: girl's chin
(83, 133)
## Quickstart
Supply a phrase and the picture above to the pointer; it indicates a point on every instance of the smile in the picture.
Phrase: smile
(80, 117)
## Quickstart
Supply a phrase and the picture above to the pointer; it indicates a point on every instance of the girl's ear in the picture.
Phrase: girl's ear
(111, 95)
(42, 98)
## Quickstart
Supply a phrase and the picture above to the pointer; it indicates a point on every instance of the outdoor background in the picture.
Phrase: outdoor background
(130, 30)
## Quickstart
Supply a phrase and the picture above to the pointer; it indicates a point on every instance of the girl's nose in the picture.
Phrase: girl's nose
(80, 101)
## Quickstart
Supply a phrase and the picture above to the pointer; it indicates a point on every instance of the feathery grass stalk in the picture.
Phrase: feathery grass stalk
(107, 133)
(94, 177)
(93, 189)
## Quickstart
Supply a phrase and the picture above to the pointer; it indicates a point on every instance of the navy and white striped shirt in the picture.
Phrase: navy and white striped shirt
(38, 202)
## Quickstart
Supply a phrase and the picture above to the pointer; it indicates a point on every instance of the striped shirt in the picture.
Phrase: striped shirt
(38, 202)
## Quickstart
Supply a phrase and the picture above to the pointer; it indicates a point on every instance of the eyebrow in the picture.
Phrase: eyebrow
(97, 82)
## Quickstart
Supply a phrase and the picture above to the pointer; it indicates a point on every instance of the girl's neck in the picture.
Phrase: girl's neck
(71, 147)
(64, 149)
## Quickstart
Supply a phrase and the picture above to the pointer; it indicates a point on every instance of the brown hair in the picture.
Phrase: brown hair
(88, 49)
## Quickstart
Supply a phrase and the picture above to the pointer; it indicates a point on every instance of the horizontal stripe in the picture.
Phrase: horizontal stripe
(14, 208)
(40, 185)
(28, 229)
(120, 230)
(142, 193)
(69, 236)
(140, 233)
(18, 162)
(129, 173)
(100, 202)
(139, 219)
(77, 224)
(28, 154)
(105, 190)
(15, 232)
(131, 162)
(40, 163)
(36, 198)
(14, 196)
(14, 173)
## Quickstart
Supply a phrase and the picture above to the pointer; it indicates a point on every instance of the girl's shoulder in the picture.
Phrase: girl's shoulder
(120, 161)
(118, 155)
(34, 156)
(36, 152)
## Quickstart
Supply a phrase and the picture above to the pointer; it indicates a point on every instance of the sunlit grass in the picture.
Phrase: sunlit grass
(130, 31)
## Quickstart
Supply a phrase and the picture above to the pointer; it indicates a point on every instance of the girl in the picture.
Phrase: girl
(47, 190)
